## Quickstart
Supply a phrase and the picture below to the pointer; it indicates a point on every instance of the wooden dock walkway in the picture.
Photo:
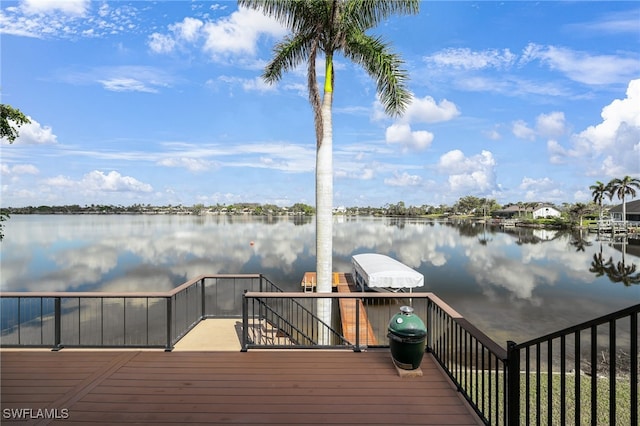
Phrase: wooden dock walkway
(348, 314)
(319, 387)
(343, 283)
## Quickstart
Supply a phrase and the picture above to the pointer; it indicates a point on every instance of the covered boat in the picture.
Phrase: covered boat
(378, 272)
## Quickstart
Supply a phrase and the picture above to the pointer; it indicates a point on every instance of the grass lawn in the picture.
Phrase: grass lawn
(623, 400)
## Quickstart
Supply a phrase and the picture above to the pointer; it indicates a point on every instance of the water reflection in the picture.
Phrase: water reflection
(514, 282)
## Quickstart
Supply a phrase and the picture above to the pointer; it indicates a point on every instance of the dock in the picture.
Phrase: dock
(309, 281)
(348, 315)
(343, 283)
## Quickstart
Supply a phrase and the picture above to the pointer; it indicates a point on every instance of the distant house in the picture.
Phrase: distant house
(512, 211)
(542, 211)
(633, 211)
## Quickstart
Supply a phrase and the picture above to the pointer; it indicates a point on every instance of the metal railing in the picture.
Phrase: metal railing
(137, 320)
(585, 374)
(474, 362)
(529, 383)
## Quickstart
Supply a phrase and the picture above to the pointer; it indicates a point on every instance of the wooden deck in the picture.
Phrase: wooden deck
(257, 387)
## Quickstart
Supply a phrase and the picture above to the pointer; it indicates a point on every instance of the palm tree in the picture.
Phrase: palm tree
(621, 188)
(332, 27)
(598, 191)
(578, 210)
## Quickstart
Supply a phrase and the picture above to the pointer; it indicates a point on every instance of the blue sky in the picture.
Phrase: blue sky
(162, 103)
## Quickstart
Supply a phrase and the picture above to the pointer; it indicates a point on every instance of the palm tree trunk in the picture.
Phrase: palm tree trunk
(324, 208)
(624, 216)
(324, 202)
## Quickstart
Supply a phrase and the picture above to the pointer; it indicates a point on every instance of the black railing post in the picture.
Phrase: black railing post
(357, 347)
(245, 321)
(57, 320)
(169, 346)
(429, 326)
(634, 365)
(202, 302)
(513, 384)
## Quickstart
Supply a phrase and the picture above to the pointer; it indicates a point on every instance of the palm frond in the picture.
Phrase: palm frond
(384, 66)
(288, 54)
(368, 14)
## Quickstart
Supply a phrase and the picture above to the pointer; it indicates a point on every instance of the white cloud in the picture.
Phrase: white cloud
(621, 111)
(256, 84)
(557, 153)
(421, 110)
(70, 7)
(541, 184)
(543, 189)
(493, 134)
(239, 33)
(191, 164)
(187, 31)
(19, 169)
(522, 131)
(550, 125)
(61, 19)
(614, 23)
(161, 43)
(547, 125)
(473, 175)
(427, 110)
(25, 169)
(403, 135)
(583, 67)
(130, 78)
(126, 85)
(617, 137)
(35, 134)
(464, 67)
(96, 181)
(404, 179)
(233, 35)
(465, 58)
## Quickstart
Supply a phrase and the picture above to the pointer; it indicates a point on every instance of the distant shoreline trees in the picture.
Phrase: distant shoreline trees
(10, 121)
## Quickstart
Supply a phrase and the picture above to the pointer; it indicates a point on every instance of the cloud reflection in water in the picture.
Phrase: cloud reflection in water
(499, 280)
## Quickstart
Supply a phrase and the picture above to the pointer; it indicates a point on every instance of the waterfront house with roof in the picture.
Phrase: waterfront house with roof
(543, 210)
(633, 211)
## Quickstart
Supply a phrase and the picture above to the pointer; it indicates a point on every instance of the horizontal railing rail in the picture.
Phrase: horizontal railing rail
(585, 374)
(128, 319)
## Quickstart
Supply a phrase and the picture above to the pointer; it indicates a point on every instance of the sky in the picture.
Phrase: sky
(162, 102)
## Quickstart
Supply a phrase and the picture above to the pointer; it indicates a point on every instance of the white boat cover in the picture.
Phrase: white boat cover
(379, 270)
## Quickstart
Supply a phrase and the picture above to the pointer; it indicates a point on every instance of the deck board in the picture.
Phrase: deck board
(257, 387)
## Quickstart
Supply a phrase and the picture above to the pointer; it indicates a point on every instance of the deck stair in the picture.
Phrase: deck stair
(262, 332)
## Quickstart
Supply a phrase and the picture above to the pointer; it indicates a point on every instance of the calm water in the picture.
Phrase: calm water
(513, 285)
